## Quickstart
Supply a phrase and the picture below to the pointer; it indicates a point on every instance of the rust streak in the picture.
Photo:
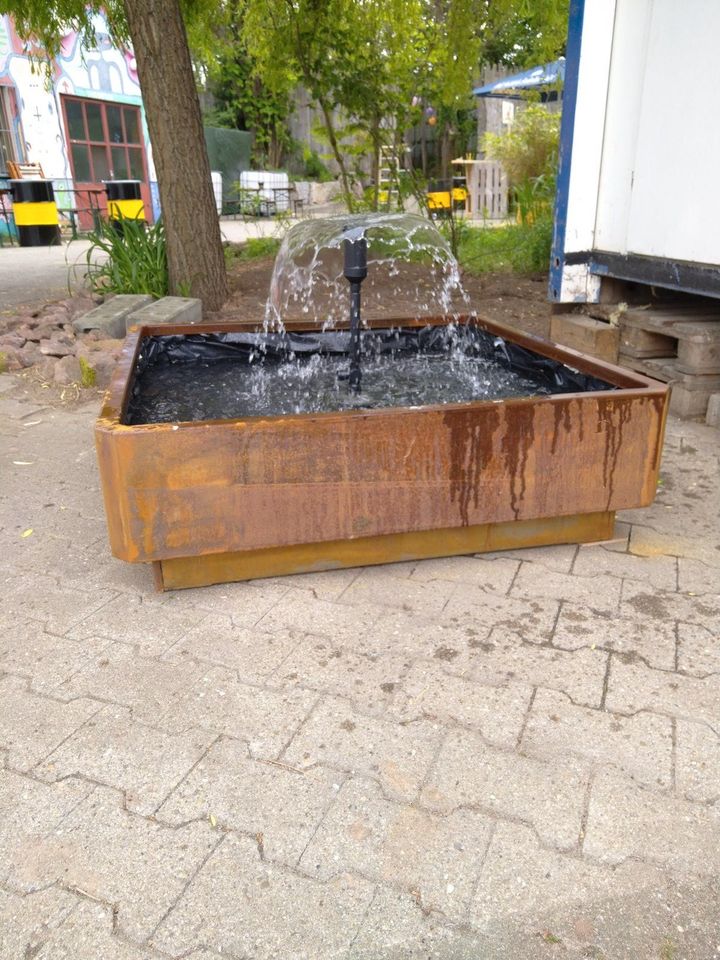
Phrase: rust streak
(516, 443)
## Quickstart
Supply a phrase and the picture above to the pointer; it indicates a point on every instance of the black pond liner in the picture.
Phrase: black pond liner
(195, 376)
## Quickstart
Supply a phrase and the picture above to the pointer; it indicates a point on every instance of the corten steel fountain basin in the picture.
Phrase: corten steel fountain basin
(220, 500)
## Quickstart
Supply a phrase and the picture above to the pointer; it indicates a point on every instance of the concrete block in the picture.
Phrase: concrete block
(712, 417)
(589, 336)
(166, 310)
(686, 402)
(110, 316)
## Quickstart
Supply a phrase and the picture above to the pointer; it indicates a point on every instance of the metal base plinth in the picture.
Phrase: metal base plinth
(182, 572)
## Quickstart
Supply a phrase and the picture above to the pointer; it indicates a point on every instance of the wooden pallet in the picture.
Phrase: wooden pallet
(691, 337)
(690, 392)
(676, 346)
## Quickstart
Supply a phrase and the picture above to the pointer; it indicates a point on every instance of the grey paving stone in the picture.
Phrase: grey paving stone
(115, 856)
(474, 608)
(697, 762)
(647, 542)
(505, 657)
(531, 902)
(437, 859)
(220, 703)
(558, 557)
(87, 934)
(495, 575)
(653, 640)
(640, 599)
(240, 906)
(29, 811)
(166, 310)
(698, 649)
(57, 608)
(497, 712)
(402, 633)
(45, 659)
(299, 610)
(220, 641)
(660, 571)
(620, 539)
(246, 602)
(110, 316)
(369, 680)
(697, 577)
(626, 821)
(397, 928)
(377, 586)
(639, 746)
(119, 675)
(634, 687)
(510, 785)
(272, 801)
(323, 585)
(397, 755)
(143, 762)
(598, 592)
(153, 627)
(27, 921)
(32, 726)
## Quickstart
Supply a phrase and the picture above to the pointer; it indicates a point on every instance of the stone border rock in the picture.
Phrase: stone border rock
(78, 340)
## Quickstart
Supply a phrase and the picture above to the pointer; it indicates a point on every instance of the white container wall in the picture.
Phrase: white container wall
(638, 192)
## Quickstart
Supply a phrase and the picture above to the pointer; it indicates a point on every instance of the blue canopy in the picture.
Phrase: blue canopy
(508, 88)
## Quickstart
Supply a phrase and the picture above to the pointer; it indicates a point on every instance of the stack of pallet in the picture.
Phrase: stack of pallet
(678, 345)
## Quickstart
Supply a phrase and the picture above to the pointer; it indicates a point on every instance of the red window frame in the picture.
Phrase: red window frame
(137, 147)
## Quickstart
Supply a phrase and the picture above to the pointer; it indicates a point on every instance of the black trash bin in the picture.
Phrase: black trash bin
(124, 201)
(35, 212)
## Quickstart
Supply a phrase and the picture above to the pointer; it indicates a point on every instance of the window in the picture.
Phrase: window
(105, 140)
(8, 143)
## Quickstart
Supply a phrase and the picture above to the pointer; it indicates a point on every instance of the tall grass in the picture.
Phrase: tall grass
(517, 248)
(132, 259)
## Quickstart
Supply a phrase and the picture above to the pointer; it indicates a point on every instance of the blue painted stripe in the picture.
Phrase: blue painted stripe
(567, 130)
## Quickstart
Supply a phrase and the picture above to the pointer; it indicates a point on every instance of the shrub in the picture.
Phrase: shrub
(315, 169)
(132, 259)
(254, 248)
(529, 149)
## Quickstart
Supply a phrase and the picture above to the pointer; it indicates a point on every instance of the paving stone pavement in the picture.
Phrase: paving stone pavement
(504, 757)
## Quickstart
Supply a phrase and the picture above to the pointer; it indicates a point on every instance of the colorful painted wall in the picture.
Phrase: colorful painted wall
(103, 73)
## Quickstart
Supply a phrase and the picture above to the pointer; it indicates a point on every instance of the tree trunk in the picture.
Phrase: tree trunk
(339, 159)
(194, 245)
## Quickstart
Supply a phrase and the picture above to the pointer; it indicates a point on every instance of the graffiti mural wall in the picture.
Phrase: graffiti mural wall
(101, 73)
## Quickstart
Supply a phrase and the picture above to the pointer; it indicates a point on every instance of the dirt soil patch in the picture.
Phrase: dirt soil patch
(519, 302)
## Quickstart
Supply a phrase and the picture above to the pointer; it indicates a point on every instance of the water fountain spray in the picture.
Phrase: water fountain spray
(355, 270)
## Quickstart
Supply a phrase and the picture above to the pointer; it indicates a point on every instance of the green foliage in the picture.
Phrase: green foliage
(529, 149)
(533, 198)
(242, 100)
(255, 248)
(3, 362)
(522, 33)
(315, 169)
(88, 377)
(518, 248)
(130, 260)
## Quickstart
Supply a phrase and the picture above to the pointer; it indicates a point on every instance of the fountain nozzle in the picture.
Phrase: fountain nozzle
(355, 249)
(355, 270)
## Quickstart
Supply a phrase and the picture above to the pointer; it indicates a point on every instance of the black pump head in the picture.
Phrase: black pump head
(355, 249)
